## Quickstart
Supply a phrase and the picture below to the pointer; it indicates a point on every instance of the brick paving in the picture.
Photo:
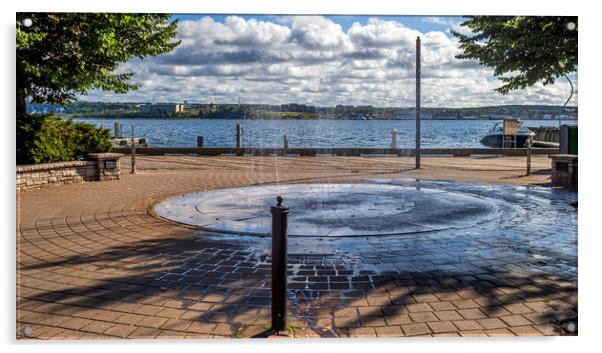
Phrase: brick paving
(94, 263)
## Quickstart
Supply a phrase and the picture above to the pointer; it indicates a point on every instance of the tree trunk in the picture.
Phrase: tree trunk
(20, 93)
(21, 107)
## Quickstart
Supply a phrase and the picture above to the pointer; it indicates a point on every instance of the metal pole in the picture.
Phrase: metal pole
(529, 156)
(418, 103)
(565, 103)
(238, 136)
(279, 262)
(285, 143)
(133, 152)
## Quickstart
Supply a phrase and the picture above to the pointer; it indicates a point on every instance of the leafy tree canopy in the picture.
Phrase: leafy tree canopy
(521, 50)
(61, 55)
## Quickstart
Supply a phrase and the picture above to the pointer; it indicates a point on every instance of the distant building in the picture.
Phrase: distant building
(162, 108)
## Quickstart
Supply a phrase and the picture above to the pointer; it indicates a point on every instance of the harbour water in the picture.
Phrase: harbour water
(307, 133)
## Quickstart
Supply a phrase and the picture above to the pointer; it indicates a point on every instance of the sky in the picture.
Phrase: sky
(320, 60)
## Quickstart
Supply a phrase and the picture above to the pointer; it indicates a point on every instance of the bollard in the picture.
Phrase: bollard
(394, 138)
(199, 141)
(529, 156)
(238, 136)
(117, 129)
(133, 154)
(285, 144)
(279, 263)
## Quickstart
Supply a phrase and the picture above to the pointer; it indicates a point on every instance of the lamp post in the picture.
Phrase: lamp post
(418, 103)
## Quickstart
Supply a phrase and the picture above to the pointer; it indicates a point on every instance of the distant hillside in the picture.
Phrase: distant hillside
(84, 109)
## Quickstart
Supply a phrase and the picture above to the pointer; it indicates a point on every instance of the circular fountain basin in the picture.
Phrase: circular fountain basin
(332, 210)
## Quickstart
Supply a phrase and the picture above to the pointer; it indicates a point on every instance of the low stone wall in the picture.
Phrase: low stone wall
(107, 165)
(564, 169)
(99, 166)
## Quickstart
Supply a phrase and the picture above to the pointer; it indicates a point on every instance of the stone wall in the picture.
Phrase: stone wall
(564, 169)
(99, 166)
(107, 165)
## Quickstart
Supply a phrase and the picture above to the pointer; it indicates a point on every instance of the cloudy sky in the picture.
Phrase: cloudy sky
(320, 60)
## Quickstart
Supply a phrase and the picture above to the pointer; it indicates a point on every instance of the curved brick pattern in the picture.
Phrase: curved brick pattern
(94, 263)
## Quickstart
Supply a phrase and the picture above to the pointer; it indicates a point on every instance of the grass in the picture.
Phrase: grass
(292, 329)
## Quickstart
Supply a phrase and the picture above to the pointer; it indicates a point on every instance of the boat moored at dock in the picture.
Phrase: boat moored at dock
(495, 136)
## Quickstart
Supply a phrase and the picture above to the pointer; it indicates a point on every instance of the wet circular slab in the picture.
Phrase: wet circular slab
(398, 226)
(333, 210)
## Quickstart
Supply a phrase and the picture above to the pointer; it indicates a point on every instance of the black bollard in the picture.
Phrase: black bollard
(200, 141)
(238, 136)
(279, 261)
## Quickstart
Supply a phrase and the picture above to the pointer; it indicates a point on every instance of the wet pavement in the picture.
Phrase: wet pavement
(332, 210)
(396, 225)
(430, 258)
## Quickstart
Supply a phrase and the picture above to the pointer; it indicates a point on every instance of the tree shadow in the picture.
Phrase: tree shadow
(226, 284)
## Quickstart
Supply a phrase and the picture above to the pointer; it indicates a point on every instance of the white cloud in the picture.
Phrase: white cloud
(378, 33)
(317, 32)
(311, 59)
(450, 23)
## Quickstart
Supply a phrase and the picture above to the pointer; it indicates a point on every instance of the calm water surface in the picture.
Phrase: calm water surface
(307, 133)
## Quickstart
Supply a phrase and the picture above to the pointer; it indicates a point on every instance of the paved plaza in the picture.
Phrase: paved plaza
(472, 248)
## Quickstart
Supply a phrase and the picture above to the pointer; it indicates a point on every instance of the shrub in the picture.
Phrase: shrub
(47, 138)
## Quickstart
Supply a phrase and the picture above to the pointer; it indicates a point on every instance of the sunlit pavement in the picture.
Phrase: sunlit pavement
(94, 262)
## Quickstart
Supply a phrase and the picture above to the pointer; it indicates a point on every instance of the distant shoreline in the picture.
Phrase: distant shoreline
(325, 118)
(172, 111)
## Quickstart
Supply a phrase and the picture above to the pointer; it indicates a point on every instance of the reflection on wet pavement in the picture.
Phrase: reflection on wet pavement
(399, 225)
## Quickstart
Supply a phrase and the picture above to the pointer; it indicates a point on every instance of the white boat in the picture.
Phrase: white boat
(495, 136)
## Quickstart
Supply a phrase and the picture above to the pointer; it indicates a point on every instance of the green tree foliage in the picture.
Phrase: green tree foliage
(64, 54)
(46, 138)
(521, 50)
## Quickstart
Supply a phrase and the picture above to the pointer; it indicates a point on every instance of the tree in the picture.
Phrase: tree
(521, 50)
(61, 55)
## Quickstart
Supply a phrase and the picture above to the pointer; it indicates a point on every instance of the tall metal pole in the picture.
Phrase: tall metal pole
(565, 103)
(418, 103)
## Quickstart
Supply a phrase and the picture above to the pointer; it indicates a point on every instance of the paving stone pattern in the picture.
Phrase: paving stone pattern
(93, 262)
